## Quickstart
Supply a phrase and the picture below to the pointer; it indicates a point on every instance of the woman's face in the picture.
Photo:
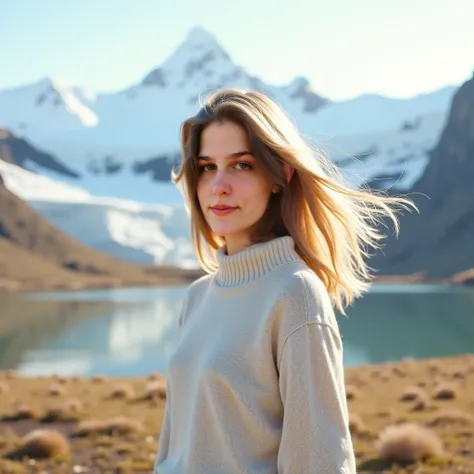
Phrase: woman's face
(233, 189)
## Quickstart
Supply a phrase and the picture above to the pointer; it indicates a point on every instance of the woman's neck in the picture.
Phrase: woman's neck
(237, 244)
(254, 261)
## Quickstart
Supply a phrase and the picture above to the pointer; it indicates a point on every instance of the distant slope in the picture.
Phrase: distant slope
(154, 234)
(33, 253)
(439, 242)
(19, 152)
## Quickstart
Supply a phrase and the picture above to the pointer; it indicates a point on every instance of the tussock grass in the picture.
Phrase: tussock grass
(445, 391)
(106, 444)
(450, 417)
(412, 393)
(22, 412)
(122, 391)
(352, 392)
(119, 425)
(408, 442)
(155, 390)
(40, 444)
(356, 424)
(155, 376)
(56, 390)
(99, 378)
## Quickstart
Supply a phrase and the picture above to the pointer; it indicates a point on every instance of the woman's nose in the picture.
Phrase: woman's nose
(221, 185)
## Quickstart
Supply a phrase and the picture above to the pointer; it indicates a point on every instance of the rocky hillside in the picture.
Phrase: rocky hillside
(20, 152)
(439, 242)
(35, 254)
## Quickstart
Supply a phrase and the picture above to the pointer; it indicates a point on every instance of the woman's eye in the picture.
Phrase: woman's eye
(206, 167)
(243, 166)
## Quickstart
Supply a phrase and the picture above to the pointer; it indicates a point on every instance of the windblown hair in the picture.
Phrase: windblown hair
(332, 224)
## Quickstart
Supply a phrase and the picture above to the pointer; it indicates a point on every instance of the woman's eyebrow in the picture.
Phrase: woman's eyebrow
(237, 154)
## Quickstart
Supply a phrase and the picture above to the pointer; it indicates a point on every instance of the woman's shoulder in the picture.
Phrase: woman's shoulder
(305, 296)
(197, 287)
(299, 279)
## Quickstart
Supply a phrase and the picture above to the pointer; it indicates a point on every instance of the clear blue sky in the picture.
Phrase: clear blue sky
(344, 47)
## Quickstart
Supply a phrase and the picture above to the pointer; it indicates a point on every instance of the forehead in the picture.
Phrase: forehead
(223, 138)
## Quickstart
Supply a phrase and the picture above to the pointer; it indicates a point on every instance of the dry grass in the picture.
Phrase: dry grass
(4, 387)
(99, 378)
(356, 424)
(22, 412)
(74, 405)
(351, 392)
(413, 393)
(56, 390)
(155, 376)
(408, 442)
(116, 426)
(123, 392)
(8, 374)
(450, 417)
(380, 407)
(120, 435)
(66, 411)
(445, 391)
(61, 380)
(40, 444)
(155, 390)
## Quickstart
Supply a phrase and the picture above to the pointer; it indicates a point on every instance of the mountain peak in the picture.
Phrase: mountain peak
(199, 35)
(53, 82)
(198, 63)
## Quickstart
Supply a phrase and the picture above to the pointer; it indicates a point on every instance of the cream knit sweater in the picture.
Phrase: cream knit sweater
(256, 383)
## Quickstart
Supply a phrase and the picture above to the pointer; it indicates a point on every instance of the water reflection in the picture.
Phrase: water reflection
(133, 331)
(390, 326)
(28, 325)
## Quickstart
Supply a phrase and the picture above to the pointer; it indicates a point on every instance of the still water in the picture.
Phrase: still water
(124, 332)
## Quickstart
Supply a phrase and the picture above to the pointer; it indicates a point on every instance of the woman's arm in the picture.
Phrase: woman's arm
(164, 439)
(315, 435)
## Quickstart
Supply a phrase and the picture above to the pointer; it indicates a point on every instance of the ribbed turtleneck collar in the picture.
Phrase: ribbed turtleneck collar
(254, 261)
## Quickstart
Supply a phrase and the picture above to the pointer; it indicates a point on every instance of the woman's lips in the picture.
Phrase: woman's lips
(222, 210)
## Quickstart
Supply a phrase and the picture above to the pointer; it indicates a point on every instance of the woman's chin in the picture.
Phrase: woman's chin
(225, 233)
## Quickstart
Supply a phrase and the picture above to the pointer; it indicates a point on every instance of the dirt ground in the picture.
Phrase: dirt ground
(111, 425)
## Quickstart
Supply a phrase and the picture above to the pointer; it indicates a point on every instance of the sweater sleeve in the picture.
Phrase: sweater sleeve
(164, 439)
(315, 434)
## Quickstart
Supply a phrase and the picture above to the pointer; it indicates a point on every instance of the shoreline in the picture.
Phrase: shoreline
(177, 277)
(182, 277)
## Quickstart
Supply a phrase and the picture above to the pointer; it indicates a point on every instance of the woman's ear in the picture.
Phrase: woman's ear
(288, 170)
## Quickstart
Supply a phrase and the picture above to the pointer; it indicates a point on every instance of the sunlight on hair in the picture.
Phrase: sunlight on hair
(333, 224)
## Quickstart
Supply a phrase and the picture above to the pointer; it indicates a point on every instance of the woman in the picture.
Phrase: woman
(256, 383)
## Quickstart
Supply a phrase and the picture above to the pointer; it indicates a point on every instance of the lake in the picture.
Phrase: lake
(129, 332)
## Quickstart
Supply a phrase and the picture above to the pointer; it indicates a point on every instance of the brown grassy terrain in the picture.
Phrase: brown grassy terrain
(36, 255)
(419, 412)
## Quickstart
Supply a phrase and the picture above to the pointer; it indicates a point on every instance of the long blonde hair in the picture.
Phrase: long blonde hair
(332, 224)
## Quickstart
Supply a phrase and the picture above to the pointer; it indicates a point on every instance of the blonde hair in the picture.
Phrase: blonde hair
(331, 223)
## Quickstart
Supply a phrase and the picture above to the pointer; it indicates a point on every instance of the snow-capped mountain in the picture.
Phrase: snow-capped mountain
(80, 146)
(129, 230)
(48, 107)
(120, 144)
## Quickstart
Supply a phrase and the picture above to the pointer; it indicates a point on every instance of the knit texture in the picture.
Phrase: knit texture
(256, 382)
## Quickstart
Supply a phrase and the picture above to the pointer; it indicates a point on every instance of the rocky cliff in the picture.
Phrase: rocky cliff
(439, 241)
(33, 253)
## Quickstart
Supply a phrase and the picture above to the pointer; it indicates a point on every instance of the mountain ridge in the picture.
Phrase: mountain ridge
(35, 253)
(439, 240)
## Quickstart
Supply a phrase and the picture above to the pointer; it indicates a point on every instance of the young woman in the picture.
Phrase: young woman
(256, 383)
